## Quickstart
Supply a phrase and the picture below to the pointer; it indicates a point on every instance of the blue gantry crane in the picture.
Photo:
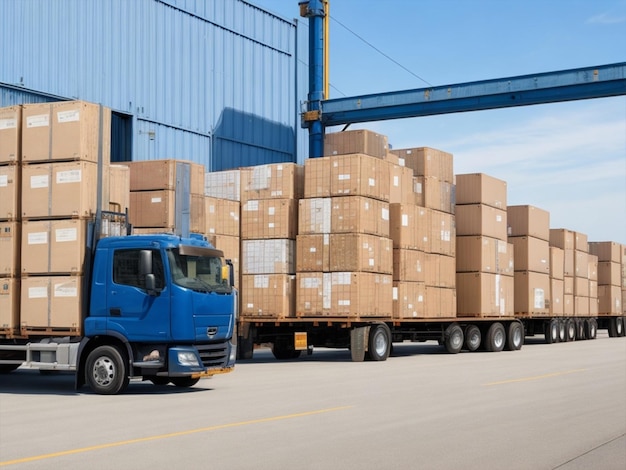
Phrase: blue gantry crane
(549, 87)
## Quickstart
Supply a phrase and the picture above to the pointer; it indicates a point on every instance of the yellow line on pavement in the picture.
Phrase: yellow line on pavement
(167, 436)
(536, 377)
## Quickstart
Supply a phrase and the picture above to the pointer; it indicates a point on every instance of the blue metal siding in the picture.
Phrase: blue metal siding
(190, 69)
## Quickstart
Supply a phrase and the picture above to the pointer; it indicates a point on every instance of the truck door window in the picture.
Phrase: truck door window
(126, 269)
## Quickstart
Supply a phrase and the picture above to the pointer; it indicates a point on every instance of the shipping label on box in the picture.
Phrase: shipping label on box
(10, 189)
(10, 134)
(269, 218)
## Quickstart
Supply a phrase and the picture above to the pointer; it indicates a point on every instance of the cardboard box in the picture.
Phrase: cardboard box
(606, 251)
(480, 219)
(313, 253)
(231, 248)
(581, 264)
(119, 187)
(272, 181)
(484, 295)
(562, 238)
(581, 242)
(10, 134)
(153, 209)
(9, 305)
(314, 215)
(360, 175)
(532, 293)
(568, 262)
(442, 233)
(440, 302)
(528, 221)
(269, 218)
(361, 252)
(268, 295)
(581, 306)
(152, 175)
(317, 177)
(609, 300)
(10, 242)
(51, 303)
(62, 189)
(66, 130)
(609, 273)
(313, 294)
(223, 184)
(410, 226)
(272, 256)
(358, 214)
(433, 193)
(557, 263)
(426, 161)
(10, 190)
(479, 188)
(477, 253)
(593, 267)
(594, 306)
(531, 254)
(54, 246)
(557, 306)
(408, 265)
(401, 187)
(222, 216)
(568, 285)
(568, 305)
(408, 300)
(440, 270)
(355, 141)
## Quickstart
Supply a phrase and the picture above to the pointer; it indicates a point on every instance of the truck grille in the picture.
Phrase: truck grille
(213, 355)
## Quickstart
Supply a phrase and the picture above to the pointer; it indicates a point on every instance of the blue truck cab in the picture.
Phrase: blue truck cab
(162, 308)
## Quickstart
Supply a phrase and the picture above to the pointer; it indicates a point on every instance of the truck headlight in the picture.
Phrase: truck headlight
(187, 358)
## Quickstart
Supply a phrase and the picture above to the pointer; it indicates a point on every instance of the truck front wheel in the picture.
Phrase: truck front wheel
(184, 381)
(379, 343)
(106, 372)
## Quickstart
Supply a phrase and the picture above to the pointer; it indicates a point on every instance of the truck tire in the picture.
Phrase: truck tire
(454, 338)
(552, 331)
(612, 327)
(619, 326)
(184, 381)
(245, 347)
(379, 343)
(358, 337)
(106, 371)
(570, 330)
(283, 350)
(562, 330)
(495, 338)
(592, 330)
(580, 329)
(473, 337)
(515, 336)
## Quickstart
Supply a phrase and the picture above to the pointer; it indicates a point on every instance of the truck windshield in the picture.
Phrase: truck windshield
(201, 272)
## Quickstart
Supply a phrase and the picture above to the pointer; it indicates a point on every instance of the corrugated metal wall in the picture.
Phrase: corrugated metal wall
(209, 81)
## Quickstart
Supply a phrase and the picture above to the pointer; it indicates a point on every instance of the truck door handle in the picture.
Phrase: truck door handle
(115, 312)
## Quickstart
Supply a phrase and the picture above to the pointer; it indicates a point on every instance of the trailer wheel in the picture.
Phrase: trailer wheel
(562, 331)
(379, 343)
(619, 326)
(496, 338)
(184, 381)
(245, 347)
(454, 338)
(106, 371)
(473, 337)
(580, 330)
(570, 330)
(515, 336)
(283, 349)
(592, 328)
(552, 331)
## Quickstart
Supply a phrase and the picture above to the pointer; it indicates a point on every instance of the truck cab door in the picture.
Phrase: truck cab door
(137, 312)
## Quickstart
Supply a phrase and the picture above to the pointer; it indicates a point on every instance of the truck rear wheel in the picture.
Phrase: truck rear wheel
(562, 330)
(454, 338)
(379, 343)
(283, 349)
(552, 331)
(106, 371)
(619, 326)
(570, 330)
(515, 336)
(473, 337)
(591, 328)
(580, 329)
(495, 338)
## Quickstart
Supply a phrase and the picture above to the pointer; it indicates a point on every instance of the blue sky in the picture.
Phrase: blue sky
(566, 158)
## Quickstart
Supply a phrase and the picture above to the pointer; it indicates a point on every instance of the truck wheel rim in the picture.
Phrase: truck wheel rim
(103, 371)
(380, 344)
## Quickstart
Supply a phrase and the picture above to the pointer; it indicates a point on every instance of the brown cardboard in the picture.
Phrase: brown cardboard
(119, 187)
(222, 216)
(477, 253)
(408, 265)
(401, 187)
(581, 264)
(528, 221)
(557, 263)
(532, 293)
(269, 218)
(314, 215)
(557, 306)
(53, 246)
(606, 251)
(313, 253)
(568, 305)
(440, 302)
(568, 262)
(531, 254)
(479, 188)
(609, 300)
(484, 295)
(358, 214)
(562, 238)
(593, 267)
(271, 256)
(317, 177)
(581, 242)
(360, 252)
(442, 233)
(313, 294)
(268, 295)
(51, 302)
(152, 175)
(360, 175)
(581, 306)
(426, 161)
(223, 184)
(408, 300)
(355, 141)
(609, 273)
(10, 134)
(9, 305)
(66, 130)
(439, 270)
(410, 226)
(10, 189)
(480, 219)
(62, 189)
(433, 193)
(568, 285)
(10, 242)
(153, 209)
(272, 181)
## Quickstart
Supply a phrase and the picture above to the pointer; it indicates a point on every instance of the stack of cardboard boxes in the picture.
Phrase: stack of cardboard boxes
(609, 276)
(484, 262)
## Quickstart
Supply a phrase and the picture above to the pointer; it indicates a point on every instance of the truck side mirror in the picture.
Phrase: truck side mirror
(145, 262)
(151, 285)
